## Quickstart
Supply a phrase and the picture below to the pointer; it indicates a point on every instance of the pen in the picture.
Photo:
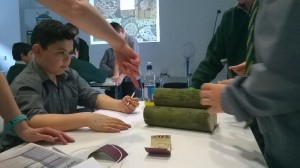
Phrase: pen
(131, 97)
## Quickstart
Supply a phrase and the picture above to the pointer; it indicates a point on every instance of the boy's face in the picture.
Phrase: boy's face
(56, 58)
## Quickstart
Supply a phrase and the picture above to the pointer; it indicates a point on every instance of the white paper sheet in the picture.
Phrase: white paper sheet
(32, 155)
(90, 163)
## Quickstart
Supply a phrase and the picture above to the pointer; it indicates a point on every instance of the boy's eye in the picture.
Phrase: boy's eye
(63, 53)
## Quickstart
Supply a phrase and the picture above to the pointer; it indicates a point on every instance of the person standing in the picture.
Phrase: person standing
(271, 92)
(109, 64)
(229, 42)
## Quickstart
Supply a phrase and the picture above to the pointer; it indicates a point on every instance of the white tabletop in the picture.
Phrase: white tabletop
(107, 83)
(229, 146)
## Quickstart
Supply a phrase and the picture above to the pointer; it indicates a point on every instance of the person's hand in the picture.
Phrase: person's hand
(238, 69)
(115, 77)
(128, 104)
(210, 94)
(128, 62)
(103, 123)
(47, 134)
(119, 80)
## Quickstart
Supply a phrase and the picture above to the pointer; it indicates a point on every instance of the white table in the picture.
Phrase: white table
(230, 146)
(107, 83)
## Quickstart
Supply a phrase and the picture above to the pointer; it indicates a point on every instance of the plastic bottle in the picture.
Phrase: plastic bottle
(149, 84)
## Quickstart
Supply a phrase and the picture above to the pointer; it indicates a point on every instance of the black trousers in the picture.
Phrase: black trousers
(258, 136)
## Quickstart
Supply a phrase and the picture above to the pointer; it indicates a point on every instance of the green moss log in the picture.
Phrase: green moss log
(181, 118)
(188, 98)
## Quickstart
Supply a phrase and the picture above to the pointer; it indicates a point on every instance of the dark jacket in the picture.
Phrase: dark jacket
(228, 42)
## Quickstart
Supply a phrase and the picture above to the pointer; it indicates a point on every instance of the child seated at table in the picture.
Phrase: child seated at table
(85, 69)
(48, 92)
(22, 54)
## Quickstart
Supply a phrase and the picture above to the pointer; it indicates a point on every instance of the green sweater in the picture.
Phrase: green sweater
(88, 71)
(228, 42)
(14, 71)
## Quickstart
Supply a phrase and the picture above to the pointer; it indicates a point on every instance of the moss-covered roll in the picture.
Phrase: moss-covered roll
(188, 98)
(181, 118)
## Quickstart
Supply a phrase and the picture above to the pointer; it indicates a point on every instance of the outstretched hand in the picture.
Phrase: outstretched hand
(47, 134)
(103, 123)
(128, 62)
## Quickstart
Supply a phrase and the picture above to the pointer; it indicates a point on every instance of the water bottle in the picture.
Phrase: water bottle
(149, 83)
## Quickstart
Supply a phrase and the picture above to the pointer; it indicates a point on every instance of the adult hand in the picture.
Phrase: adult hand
(103, 123)
(128, 104)
(119, 80)
(210, 94)
(115, 77)
(128, 62)
(238, 69)
(29, 134)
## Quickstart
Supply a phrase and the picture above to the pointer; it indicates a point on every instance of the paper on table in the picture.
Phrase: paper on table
(131, 119)
(91, 162)
(32, 155)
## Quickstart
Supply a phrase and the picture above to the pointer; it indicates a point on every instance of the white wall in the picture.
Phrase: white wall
(9, 32)
(181, 21)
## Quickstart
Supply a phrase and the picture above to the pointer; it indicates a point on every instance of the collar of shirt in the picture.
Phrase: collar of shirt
(20, 62)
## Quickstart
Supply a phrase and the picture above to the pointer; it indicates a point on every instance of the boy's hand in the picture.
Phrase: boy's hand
(128, 104)
(103, 123)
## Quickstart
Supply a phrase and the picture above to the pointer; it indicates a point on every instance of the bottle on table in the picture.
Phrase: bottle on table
(149, 84)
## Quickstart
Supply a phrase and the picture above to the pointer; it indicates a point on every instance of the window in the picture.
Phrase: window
(139, 18)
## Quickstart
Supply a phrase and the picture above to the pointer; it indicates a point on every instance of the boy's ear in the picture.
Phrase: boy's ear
(122, 31)
(23, 55)
(37, 49)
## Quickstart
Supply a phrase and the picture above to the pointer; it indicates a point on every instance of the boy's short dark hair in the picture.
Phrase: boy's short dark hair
(20, 48)
(72, 28)
(50, 31)
(116, 26)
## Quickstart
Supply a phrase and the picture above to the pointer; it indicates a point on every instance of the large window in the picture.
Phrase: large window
(140, 18)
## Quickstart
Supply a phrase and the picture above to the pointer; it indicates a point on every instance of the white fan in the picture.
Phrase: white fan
(188, 50)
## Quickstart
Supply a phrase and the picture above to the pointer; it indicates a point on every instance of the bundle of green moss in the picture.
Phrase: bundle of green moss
(179, 108)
